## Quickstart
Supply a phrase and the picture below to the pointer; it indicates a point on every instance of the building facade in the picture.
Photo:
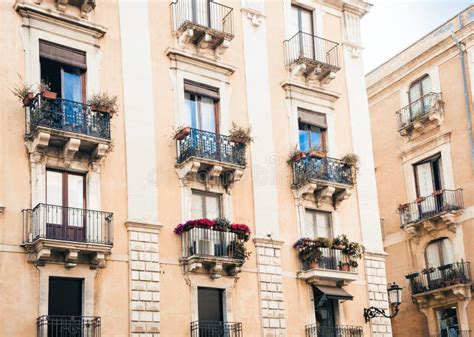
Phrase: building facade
(92, 191)
(420, 104)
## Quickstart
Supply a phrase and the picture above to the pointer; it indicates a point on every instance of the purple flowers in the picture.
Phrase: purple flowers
(243, 231)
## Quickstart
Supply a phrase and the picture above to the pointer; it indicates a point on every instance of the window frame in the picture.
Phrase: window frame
(314, 212)
(301, 9)
(432, 160)
(323, 132)
(418, 81)
(203, 195)
(440, 250)
(65, 186)
(199, 91)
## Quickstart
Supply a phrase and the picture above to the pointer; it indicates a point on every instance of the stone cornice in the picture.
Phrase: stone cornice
(357, 7)
(32, 11)
(143, 227)
(318, 92)
(437, 139)
(267, 242)
(177, 56)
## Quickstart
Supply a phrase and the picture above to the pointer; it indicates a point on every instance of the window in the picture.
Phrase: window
(439, 253)
(202, 106)
(64, 69)
(317, 224)
(419, 89)
(205, 205)
(448, 322)
(301, 20)
(428, 176)
(312, 128)
(211, 304)
(325, 310)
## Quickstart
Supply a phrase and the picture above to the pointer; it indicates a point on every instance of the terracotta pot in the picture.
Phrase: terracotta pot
(49, 94)
(317, 154)
(100, 109)
(299, 156)
(183, 133)
(313, 265)
(237, 140)
(28, 99)
(344, 267)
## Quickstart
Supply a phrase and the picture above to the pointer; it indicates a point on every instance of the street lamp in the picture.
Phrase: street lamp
(394, 298)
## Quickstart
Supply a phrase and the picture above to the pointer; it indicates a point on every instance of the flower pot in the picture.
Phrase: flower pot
(299, 156)
(28, 99)
(344, 267)
(49, 94)
(183, 133)
(237, 140)
(313, 265)
(420, 199)
(317, 154)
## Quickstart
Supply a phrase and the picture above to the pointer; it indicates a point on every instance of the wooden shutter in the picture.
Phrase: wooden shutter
(63, 54)
(201, 89)
(312, 118)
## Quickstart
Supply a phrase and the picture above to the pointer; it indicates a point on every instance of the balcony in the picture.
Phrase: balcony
(215, 328)
(428, 213)
(438, 285)
(419, 115)
(330, 180)
(205, 24)
(316, 330)
(70, 326)
(68, 235)
(333, 266)
(205, 156)
(460, 333)
(211, 251)
(312, 57)
(67, 125)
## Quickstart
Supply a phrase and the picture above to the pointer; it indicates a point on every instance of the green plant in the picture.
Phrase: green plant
(240, 252)
(22, 89)
(240, 134)
(103, 101)
(340, 242)
(309, 254)
(354, 249)
(222, 224)
(353, 160)
(44, 86)
(295, 155)
(324, 242)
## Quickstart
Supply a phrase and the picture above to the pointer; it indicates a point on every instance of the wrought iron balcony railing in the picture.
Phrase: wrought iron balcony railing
(326, 169)
(209, 242)
(68, 326)
(209, 145)
(418, 108)
(454, 332)
(441, 277)
(65, 115)
(331, 259)
(440, 202)
(304, 47)
(67, 224)
(316, 330)
(216, 329)
(205, 14)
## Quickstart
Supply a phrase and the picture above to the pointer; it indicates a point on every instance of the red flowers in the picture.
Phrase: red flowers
(243, 231)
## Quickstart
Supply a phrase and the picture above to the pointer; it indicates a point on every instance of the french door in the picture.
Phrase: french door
(428, 179)
(211, 312)
(66, 203)
(301, 21)
(325, 310)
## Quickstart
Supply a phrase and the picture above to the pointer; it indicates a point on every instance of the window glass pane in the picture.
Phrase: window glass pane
(54, 188)
(208, 115)
(304, 140)
(294, 26)
(212, 207)
(75, 200)
(72, 85)
(191, 109)
(426, 85)
(448, 252)
(425, 179)
(432, 255)
(197, 211)
(306, 23)
(414, 92)
(309, 225)
(323, 223)
(316, 137)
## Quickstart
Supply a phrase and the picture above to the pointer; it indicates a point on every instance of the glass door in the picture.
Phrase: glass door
(301, 22)
(448, 322)
(72, 92)
(325, 314)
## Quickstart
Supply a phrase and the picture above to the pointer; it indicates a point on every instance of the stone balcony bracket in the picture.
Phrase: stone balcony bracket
(215, 267)
(443, 296)
(324, 192)
(327, 276)
(429, 226)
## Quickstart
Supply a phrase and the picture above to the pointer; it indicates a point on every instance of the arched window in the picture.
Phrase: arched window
(439, 253)
(418, 89)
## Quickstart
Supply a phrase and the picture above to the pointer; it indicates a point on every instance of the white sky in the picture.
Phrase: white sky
(392, 25)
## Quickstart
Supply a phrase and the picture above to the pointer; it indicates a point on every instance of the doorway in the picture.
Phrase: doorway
(448, 322)
(211, 312)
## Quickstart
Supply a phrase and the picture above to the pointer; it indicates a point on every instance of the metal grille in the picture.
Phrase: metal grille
(68, 326)
(431, 206)
(316, 330)
(417, 109)
(209, 242)
(203, 13)
(62, 114)
(441, 277)
(327, 169)
(216, 329)
(67, 223)
(209, 145)
(332, 259)
(310, 48)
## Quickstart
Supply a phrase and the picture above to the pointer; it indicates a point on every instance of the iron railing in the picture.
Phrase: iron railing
(418, 108)
(209, 145)
(316, 330)
(203, 13)
(441, 277)
(305, 47)
(68, 326)
(438, 203)
(66, 115)
(67, 223)
(454, 332)
(216, 329)
(327, 169)
(210, 242)
(331, 259)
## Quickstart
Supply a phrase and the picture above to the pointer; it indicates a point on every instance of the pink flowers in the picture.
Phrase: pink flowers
(243, 231)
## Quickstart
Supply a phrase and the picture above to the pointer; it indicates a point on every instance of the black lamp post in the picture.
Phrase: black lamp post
(394, 298)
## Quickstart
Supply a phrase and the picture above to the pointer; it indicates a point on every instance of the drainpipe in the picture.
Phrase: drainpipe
(466, 95)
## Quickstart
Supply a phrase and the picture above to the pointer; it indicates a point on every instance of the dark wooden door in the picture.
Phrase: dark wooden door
(211, 312)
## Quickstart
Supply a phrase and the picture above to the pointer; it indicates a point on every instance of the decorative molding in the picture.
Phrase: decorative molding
(291, 88)
(143, 227)
(2, 208)
(254, 16)
(180, 56)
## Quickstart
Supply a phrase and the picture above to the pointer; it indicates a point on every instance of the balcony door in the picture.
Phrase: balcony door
(448, 322)
(428, 179)
(301, 23)
(211, 312)
(418, 103)
(65, 307)
(66, 203)
(439, 253)
(325, 310)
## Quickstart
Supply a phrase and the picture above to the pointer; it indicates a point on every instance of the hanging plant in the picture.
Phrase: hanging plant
(24, 92)
(103, 102)
(240, 134)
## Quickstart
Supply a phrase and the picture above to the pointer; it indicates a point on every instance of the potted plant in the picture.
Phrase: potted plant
(102, 102)
(340, 242)
(403, 207)
(428, 270)
(344, 266)
(296, 155)
(240, 135)
(181, 132)
(24, 92)
(354, 250)
(351, 160)
(45, 90)
(438, 192)
(325, 242)
(310, 255)
(420, 199)
(236, 249)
